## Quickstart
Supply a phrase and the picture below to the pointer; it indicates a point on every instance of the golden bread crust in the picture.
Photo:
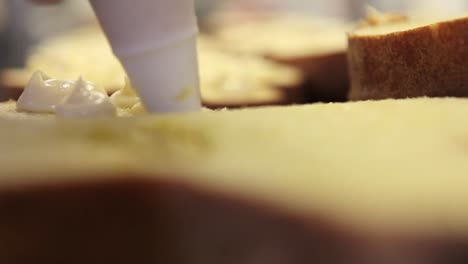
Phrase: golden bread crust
(425, 61)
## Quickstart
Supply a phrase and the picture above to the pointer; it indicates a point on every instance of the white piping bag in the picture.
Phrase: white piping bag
(155, 40)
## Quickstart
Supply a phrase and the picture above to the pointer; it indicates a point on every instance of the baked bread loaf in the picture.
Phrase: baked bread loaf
(399, 58)
(226, 80)
(267, 185)
(316, 46)
(8, 111)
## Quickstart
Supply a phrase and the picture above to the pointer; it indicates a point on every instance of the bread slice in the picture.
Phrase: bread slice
(8, 111)
(405, 58)
(226, 80)
(367, 182)
(316, 46)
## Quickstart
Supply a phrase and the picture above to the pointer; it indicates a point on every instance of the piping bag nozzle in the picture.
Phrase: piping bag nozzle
(155, 40)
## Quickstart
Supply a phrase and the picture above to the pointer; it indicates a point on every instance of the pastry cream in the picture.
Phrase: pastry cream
(86, 100)
(42, 94)
(64, 98)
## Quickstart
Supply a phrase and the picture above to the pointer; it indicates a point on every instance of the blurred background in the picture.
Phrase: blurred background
(23, 24)
(296, 54)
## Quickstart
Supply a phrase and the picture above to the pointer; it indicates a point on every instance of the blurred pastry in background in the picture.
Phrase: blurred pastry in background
(317, 46)
(227, 80)
(233, 80)
(81, 52)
